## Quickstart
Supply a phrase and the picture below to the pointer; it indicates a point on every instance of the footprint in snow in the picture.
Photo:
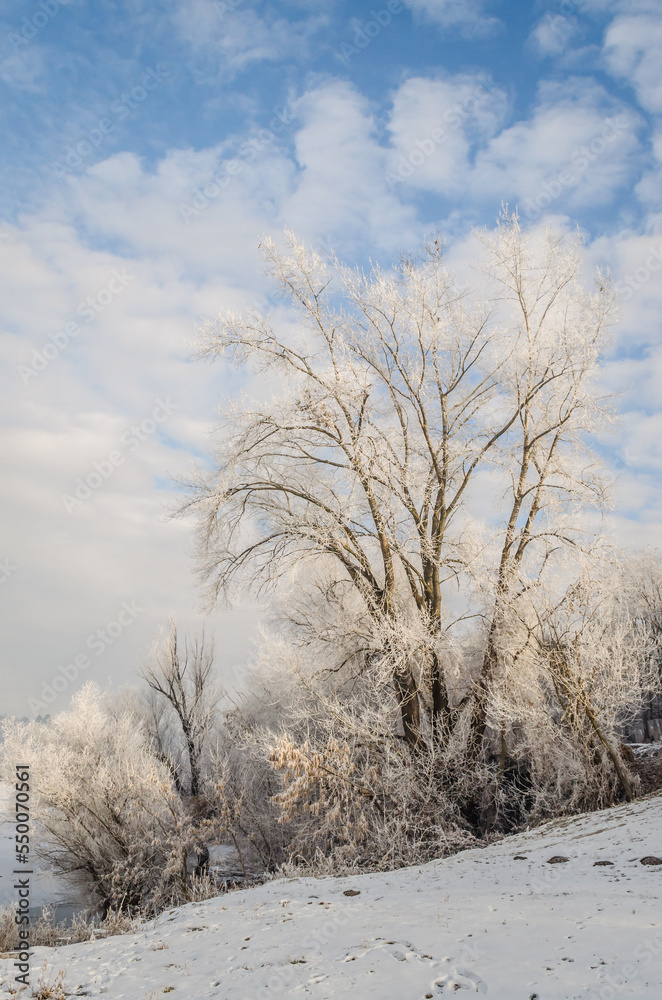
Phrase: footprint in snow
(458, 978)
(401, 951)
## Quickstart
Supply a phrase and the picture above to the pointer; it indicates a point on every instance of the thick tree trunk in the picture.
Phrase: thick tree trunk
(407, 695)
(193, 759)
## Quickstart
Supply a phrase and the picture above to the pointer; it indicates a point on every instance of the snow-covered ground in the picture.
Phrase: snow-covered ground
(500, 921)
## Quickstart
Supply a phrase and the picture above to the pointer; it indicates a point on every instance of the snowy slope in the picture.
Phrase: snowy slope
(478, 922)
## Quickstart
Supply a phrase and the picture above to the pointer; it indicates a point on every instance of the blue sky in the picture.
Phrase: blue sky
(146, 148)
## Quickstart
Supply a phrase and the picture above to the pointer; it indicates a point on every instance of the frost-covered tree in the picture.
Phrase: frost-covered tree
(399, 399)
(181, 706)
(550, 475)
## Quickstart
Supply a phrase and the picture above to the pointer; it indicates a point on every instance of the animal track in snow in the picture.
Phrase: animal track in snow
(458, 978)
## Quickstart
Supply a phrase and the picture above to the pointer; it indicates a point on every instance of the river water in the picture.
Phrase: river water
(45, 889)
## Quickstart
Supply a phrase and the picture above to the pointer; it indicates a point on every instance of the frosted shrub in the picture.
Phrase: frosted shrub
(109, 818)
(320, 779)
(575, 670)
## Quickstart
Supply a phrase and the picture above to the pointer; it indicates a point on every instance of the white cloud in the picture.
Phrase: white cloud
(341, 189)
(553, 33)
(635, 261)
(649, 188)
(434, 126)
(76, 564)
(633, 50)
(469, 15)
(237, 37)
(575, 150)
(219, 200)
(24, 70)
(634, 373)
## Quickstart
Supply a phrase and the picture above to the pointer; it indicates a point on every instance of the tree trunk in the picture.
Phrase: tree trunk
(407, 695)
(581, 699)
(613, 755)
(441, 712)
(478, 723)
(202, 861)
(193, 758)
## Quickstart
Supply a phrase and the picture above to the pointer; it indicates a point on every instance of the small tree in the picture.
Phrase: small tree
(183, 684)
